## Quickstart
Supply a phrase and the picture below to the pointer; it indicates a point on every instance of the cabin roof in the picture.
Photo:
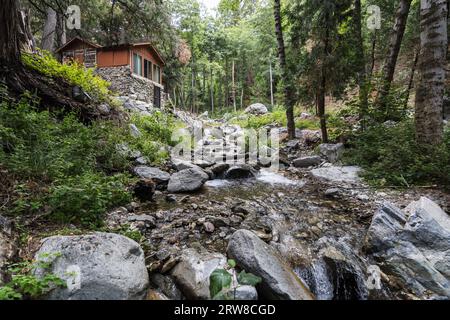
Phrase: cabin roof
(92, 44)
(112, 47)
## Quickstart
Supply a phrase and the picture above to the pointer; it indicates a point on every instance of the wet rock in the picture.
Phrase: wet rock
(245, 293)
(187, 180)
(99, 266)
(415, 248)
(257, 109)
(220, 168)
(144, 190)
(148, 220)
(257, 257)
(338, 174)
(192, 272)
(306, 162)
(167, 286)
(332, 192)
(241, 171)
(332, 152)
(154, 174)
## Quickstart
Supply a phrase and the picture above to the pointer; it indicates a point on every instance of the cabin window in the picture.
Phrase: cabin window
(68, 56)
(148, 69)
(157, 74)
(90, 58)
(137, 64)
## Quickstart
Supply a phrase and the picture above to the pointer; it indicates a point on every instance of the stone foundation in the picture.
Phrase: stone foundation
(128, 84)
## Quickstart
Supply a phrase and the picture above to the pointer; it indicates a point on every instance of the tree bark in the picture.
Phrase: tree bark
(401, 17)
(48, 34)
(431, 70)
(10, 43)
(323, 84)
(362, 74)
(288, 92)
(411, 77)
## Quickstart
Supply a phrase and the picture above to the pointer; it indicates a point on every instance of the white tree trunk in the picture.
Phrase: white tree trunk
(432, 65)
(48, 35)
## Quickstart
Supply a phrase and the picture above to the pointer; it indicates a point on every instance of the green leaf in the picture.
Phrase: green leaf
(248, 279)
(218, 280)
(231, 263)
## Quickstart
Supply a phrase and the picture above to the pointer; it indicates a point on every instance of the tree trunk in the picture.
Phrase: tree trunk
(411, 77)
(362, 76)
(233, 86)
(323, 86)
(48, 35)
(401, 17)
(288, 92)
(9, 33)
(432, 63)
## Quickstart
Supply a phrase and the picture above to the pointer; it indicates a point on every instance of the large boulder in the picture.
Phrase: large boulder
(187, 180)
(256, 256)
(192, 272)
(240, 171)
(349, 174)
(413, 246)
(99, 266)
(332, 152)
(151, 173)
(257, 109)
(305, 162)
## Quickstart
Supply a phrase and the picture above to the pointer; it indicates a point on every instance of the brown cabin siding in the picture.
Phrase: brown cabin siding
(147, 54)
(113, 58)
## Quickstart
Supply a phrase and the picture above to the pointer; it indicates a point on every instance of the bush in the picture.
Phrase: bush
(61, 167)
(72, 72)
(391, 156)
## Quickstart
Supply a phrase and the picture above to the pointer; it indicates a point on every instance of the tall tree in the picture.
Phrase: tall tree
(432, 73)
(9, 33)
(395, 42)
(361, 62)
(289, 99)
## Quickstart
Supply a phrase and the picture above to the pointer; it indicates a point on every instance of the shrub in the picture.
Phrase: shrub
(391, 156)
(25, 285)
(72, 72)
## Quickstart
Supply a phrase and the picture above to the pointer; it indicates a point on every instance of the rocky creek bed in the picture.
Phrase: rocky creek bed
(312, 230)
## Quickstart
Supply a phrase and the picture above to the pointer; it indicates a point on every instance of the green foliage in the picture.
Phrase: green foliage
(63, 167)
(25, 285)
(248, 279)
(156, 133)
(87, 197)
(73, 73)
(391, 156)
(224, 282)
(219, 280)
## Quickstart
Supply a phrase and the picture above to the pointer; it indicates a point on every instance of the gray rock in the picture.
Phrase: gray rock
(135, 131)
(241, 171)
(293, 144)
(99, 266)
(332, 192)
(187, 180)
(338, 174)
(149, 221)
(183, 164)
(245, 293)
(415, 248)
(257, 257)
(332, 152)
(155, 174)
(220, 168)
(104, 109)
(167, 286)
(306, 162)
(257, 109)
(192, 272)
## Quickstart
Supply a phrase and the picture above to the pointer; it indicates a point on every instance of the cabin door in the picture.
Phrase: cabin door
(157, 97)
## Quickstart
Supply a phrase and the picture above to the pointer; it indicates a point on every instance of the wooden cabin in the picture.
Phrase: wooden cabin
(141, 59)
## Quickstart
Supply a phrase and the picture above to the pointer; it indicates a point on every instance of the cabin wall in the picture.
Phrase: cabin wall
(113, 58)
(126, 83)
(146, 54)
